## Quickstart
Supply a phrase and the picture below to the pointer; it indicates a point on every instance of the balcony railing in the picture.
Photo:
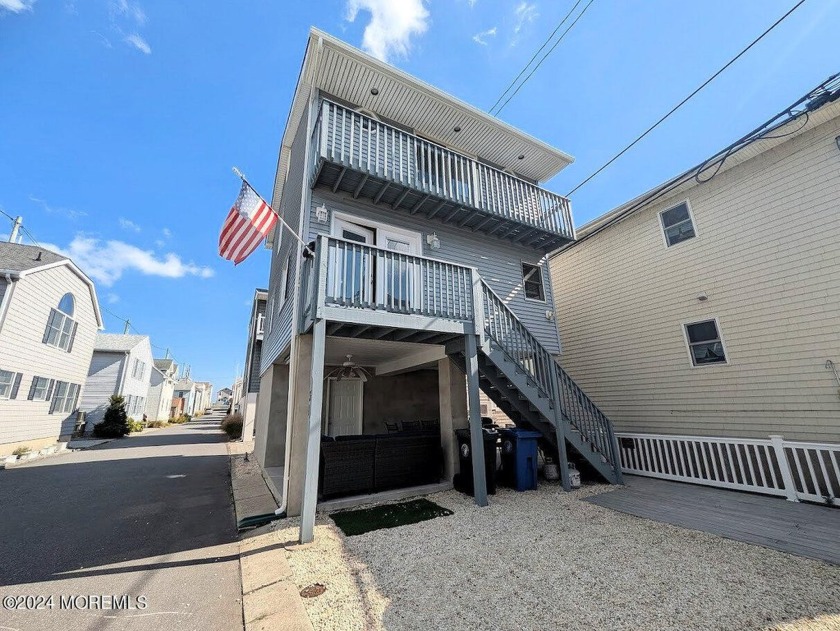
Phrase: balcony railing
(361, 276)
(361, 143)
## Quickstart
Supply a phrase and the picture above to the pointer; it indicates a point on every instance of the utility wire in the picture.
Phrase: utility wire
(550, 50)
(133, 328)
(530, 61)
(686, 99)
(22, 228)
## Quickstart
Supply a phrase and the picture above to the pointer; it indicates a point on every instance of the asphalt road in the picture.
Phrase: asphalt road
(138, 533)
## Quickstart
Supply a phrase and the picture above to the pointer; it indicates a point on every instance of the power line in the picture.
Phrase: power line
(686, 99)
(550, 50)
(530, 61)
(129, 325)
(22, 228)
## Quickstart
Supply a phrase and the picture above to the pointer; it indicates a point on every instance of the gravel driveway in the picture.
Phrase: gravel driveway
(545, 559)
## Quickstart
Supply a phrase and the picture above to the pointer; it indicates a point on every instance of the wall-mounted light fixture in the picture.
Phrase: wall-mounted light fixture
(374, 91)
(702, 297)
(837, 140)
(322, 215)
(433, 241)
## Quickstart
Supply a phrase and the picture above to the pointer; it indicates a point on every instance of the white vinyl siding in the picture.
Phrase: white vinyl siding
(22, 351)
(766, 260)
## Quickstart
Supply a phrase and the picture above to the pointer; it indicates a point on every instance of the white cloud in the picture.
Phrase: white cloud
(130, 10)
(166, 232)
(139, 43)
(58, 210)
(524, 13)
(392, 25)
(16, 6)
(127, 224)
(106, 261)
(481, 38)
(471, 3)
(112, 298)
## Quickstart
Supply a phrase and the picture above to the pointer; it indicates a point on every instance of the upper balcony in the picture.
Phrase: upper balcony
(360, 155)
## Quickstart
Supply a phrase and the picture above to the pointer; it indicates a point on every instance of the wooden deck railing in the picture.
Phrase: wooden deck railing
(355, 141)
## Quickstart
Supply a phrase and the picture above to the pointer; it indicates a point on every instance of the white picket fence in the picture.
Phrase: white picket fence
(775, 466)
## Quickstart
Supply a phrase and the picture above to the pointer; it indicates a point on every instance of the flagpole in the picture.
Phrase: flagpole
(282, 221)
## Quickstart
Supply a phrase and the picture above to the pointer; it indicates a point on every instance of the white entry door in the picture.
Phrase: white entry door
(344, 407)
(351, 280)
(398, 279)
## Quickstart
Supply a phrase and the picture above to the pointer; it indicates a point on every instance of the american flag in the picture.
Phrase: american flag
(247, 224)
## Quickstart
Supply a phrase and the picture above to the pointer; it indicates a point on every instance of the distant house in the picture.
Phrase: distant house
(224, 396)
(161, 390)
(49, 317)
(203, 395)
(236, 394)
(184, 393)
(121, 364)
(253, 357)
(703, 317)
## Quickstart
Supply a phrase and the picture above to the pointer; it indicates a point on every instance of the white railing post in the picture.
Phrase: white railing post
(320, 272)
(778, 443)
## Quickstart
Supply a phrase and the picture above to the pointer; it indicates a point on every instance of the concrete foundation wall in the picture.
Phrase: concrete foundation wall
(452, 392)
(270, 418)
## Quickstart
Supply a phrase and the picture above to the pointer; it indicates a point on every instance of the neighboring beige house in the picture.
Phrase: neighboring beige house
(161, 390)
(710, 307)
(49, 316)
(203, 396)
(184, 396)
(121, 364)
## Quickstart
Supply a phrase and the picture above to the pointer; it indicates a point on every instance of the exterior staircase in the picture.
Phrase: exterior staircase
(521, 377)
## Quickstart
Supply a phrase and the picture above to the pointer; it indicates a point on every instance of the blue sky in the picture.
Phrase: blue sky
(121, 120)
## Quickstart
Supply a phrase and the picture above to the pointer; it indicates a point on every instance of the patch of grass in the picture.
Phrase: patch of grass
(358, 522)
(21, 451)
(158, 424)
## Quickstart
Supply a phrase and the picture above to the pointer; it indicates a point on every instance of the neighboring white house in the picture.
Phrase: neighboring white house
(710, 307)
(224, 395)
(161, 390)
(253, 357)
(237, 394)
(121, 364)
(49, 317)
(203, 395)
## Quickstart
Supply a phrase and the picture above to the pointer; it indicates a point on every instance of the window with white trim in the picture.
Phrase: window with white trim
(677, 224)
(7, 381)
(61, 328)
(532, 282)
(64, 397)
(704, 343)
(138, 369)
(283, 289)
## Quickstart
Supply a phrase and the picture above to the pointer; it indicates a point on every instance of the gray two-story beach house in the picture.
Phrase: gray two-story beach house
(417, 278)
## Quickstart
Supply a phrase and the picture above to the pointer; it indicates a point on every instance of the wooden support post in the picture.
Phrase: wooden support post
(560, 430)
(476, 434)
(313, 439)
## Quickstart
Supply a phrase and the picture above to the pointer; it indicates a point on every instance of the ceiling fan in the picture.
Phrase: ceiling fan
(348, 370)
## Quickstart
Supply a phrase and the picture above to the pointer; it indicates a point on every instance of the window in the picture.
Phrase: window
(532, 282)
(64, 397)
(61, 328)
(7, 384)
(138, 369)
(283, 291)
(677, 224)
(704, 343)
(40, 389)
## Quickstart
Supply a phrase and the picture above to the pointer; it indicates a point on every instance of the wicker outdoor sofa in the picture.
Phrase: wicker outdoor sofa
(357, 465)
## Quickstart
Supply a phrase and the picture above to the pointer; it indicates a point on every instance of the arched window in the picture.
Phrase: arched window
(61, 328)
(67, 304)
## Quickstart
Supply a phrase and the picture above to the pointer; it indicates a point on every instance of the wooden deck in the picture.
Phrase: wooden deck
(806, 530)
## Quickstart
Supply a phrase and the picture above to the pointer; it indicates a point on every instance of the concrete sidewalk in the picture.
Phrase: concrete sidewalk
(270, 599)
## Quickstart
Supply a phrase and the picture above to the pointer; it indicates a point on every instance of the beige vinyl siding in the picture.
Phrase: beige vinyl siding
(766, 254)
(22, 350)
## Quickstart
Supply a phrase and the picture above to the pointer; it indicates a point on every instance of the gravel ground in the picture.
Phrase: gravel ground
(544, 559)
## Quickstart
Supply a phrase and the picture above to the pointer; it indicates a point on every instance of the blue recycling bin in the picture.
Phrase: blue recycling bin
(519, 458)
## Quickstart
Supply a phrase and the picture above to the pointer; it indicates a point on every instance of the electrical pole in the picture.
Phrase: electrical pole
(127, 326)
(15, 229)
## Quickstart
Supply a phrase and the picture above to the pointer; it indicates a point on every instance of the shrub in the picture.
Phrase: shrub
(180, 419)
(232, 425)
(158, 424)
(21, 451)
(115, 422)
(134, 426)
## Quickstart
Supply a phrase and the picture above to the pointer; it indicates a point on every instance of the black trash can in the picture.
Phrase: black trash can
(463, 480)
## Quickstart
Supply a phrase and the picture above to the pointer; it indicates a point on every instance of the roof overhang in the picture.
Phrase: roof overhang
(73, 268)
(347, 73)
